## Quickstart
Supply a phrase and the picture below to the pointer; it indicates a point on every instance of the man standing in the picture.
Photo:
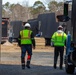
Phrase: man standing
(59, 38)
(26, 41)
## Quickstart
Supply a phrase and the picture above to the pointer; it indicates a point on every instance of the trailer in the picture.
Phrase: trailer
(44, 25)
(16, 27)
(34, 25)
(47, 26)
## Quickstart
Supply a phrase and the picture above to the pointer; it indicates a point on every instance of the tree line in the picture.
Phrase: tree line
(25, 12)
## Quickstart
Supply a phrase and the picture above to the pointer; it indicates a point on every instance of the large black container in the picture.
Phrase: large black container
(4, 28)
(16, 26)
(48, 24)
(34, 26)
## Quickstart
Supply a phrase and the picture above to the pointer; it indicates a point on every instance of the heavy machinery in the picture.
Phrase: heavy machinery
(70, 55)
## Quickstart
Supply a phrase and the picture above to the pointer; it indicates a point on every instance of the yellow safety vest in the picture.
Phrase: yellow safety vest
(26, 36)
(59, 38)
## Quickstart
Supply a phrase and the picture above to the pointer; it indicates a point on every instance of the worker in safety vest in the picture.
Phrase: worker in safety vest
(59, 38)
(26, 41)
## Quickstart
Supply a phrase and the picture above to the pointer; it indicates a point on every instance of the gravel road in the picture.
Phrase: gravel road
(41, 64)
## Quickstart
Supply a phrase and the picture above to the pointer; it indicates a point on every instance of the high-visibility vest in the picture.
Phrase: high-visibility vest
(26, 36)
(59, 38)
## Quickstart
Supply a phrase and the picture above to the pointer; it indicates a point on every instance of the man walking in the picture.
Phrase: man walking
(59, 38)
(26, 41)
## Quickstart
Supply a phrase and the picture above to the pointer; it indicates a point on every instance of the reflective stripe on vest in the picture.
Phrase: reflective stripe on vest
(59, 39)
(28, 37)
(57, 35)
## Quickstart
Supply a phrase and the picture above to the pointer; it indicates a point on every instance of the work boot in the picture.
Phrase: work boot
(23, 65)
(61, 67)
(28, 64)
(55, 66)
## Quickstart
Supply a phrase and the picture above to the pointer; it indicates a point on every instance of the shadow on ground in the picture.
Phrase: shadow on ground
(6, 69)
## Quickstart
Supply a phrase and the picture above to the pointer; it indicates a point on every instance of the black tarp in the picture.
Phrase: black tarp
(17, 26)
(48, 24)
(4, 28)
(34, 26)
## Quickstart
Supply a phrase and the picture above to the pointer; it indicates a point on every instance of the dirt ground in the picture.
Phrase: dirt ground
(14, 47)
(41, 63)
(8, 49)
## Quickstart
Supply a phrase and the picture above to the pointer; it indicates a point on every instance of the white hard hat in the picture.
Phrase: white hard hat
(27, 25)
(60, 26)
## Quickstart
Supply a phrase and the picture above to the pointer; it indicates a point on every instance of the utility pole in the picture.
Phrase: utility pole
(0, 26)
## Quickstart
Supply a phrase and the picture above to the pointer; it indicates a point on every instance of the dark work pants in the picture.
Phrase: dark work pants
(58, 50)
(24, 49)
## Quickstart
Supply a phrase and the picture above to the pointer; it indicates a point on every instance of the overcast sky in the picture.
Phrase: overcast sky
(30, 2)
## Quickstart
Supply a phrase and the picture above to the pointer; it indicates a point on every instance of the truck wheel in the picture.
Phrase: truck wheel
(69, 69)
